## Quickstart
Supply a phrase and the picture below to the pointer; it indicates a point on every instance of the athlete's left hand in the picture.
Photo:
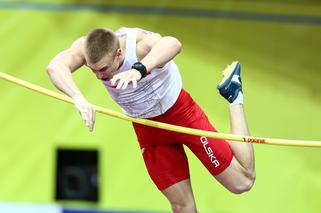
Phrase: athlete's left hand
(124, 78)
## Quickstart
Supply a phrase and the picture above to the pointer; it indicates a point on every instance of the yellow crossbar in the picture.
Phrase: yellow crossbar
(165, 126)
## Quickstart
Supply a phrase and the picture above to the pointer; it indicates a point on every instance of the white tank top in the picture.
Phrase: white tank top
(155, 93)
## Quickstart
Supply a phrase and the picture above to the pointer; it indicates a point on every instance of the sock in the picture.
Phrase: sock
(238, 100)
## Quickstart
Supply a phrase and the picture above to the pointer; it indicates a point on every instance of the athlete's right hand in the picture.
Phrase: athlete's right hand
(86, 111)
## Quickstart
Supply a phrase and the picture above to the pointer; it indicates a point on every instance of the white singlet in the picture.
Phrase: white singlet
(155, 93)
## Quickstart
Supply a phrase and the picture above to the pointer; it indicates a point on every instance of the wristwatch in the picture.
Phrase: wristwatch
(140, 68)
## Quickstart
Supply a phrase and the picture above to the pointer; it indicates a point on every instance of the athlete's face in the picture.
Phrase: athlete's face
(106, 68)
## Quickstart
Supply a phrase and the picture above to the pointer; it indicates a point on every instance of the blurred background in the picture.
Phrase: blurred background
(49, 162)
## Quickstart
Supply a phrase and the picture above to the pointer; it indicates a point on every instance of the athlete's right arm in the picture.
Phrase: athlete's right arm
(60, 71)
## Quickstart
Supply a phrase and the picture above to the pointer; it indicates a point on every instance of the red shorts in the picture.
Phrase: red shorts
(163, 150)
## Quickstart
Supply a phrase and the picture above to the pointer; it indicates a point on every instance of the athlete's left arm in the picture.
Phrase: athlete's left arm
(153, 51)
(160, 50)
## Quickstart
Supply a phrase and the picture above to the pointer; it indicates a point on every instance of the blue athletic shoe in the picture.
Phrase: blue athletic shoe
(231, 83)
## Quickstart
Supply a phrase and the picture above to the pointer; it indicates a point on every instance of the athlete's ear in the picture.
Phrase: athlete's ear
(119, 52)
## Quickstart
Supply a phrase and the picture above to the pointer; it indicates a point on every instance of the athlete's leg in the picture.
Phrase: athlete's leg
(243, 152)
(181, 197)
(167, 166)
(240, 175)
(166, 161)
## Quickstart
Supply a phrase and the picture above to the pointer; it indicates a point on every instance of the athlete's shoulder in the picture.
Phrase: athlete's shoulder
(78, 46)
(80, 42)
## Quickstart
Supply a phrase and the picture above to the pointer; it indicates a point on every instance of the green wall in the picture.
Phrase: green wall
(282, 83)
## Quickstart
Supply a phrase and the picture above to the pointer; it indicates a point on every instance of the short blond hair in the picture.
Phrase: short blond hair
(100, 42)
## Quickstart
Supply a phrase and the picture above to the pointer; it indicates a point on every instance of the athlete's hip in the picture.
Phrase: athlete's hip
(185, 112)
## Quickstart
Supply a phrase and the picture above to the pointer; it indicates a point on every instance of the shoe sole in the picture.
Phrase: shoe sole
(228, 74)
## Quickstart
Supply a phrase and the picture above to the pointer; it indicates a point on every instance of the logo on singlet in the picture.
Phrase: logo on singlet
(209, 152)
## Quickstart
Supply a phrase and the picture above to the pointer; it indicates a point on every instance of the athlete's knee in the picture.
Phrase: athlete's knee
(189, 207)
(245, 185)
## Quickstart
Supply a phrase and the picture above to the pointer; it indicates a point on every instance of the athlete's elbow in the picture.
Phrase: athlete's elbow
(175, 44)
(54, 66)
(51, 69)
(178, 45)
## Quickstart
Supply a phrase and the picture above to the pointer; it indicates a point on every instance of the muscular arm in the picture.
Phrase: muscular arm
(60, 71)
(160, 50)
(153, 51)
(62, 65)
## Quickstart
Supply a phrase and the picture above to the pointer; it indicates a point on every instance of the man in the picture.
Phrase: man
(137, 69)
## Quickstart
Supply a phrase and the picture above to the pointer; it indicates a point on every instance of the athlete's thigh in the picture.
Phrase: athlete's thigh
(166, 164)
(215, 154)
